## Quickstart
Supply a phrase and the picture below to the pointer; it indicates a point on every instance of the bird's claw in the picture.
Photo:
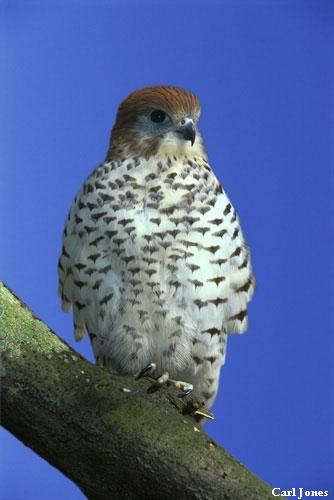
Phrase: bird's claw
(203, 412)
(148, 370)
(184, 387)
(197, 411)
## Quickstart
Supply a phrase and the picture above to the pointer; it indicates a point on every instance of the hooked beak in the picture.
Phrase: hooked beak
(187, 131)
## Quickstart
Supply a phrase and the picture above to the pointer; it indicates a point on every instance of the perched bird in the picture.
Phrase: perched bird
(154, 264)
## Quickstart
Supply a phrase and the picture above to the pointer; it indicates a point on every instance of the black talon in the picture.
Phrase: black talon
(146, 371)
(183, 394)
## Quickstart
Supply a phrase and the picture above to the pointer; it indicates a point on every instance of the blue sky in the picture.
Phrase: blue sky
(262, 72)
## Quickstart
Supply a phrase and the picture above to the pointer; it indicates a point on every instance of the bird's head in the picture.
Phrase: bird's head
(157, 120)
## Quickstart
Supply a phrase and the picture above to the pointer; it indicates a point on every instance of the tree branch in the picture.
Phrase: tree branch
(102, 430)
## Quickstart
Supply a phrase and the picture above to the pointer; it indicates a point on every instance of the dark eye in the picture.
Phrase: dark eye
(158, 116)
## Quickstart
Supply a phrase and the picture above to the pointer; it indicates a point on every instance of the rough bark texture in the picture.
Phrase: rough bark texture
(103, 431)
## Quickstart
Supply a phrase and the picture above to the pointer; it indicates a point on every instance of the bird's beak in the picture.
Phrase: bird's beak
(187, 131)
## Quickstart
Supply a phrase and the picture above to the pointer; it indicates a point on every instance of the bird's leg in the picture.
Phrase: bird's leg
(164, 379)
(194, 409)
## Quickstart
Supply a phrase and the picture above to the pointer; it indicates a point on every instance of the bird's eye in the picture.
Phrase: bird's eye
(158, 116)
